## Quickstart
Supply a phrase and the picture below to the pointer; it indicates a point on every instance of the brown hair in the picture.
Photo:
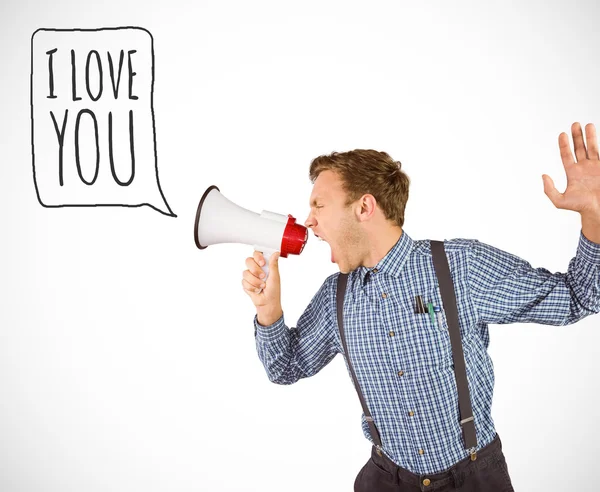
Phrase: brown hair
(368, 171)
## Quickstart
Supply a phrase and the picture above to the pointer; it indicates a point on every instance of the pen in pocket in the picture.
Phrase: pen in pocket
(435, 313)
(430, 309)
(438, 311)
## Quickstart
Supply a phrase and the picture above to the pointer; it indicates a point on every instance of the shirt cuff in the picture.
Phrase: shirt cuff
(271, 332)
(588, 250)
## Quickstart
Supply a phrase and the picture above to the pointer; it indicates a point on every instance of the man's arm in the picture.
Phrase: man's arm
(300, 352)
(507, 289)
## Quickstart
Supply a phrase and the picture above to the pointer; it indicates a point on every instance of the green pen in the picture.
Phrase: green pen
(431, 312)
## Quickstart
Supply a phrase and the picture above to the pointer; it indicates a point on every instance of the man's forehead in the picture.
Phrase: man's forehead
(325, 182)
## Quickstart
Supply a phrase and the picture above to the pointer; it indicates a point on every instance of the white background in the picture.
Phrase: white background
(127, 356)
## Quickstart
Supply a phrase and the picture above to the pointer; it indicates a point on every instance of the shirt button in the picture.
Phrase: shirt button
(411, 413)
(374, 270)
(400, 373)
(421, 451)
(384, 295)
(426, 482)
(392, 333)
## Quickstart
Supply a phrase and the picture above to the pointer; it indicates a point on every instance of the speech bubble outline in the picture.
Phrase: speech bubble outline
(170, 213)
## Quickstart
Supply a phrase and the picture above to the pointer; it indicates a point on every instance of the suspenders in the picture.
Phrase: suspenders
(442, 271)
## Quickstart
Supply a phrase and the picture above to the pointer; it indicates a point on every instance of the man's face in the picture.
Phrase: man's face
(337, 225)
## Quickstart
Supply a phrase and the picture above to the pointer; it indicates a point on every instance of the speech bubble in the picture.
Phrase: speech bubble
(93, 136)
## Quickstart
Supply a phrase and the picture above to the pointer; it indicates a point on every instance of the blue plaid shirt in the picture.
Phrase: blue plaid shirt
(403, 361)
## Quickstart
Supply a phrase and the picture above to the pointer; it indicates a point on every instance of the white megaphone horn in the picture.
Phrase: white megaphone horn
(219, 220)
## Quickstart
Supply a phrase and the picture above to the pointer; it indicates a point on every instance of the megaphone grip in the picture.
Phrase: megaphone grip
(265, 268)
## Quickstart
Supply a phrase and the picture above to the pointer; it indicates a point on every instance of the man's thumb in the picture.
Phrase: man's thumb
(551, 192)
(273, 261)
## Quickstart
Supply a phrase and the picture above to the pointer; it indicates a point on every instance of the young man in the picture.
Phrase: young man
(404, 360)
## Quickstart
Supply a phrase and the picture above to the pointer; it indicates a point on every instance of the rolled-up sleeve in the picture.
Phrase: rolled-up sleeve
(289, 354)
(507, 289)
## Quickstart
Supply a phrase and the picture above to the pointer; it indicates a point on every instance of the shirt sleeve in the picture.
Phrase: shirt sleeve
(289, 354)
(506, 289)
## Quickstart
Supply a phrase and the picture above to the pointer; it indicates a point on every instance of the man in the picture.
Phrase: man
(403, 360)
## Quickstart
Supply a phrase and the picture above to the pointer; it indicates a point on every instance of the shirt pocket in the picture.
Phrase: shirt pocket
(429, 343)
(429, 339)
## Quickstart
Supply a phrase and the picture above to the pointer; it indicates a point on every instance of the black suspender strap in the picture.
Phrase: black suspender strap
(442, 271)
(341, 290)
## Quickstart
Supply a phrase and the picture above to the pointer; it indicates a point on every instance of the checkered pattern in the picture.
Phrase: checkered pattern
(403, 360)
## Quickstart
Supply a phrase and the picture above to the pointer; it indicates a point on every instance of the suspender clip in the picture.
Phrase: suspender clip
(473, 453)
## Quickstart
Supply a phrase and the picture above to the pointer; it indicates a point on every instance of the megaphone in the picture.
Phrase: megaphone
(219, 220)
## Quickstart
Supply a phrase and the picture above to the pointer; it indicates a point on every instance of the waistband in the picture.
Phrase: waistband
(487, 455)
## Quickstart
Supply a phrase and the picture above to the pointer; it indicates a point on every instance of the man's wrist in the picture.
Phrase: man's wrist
(590, 225)
(267, 317)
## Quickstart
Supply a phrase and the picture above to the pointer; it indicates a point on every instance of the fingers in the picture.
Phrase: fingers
(578, 143)
(259, 258)
(581, 152)
(251, 286)
(592, 141)
(253, 265)
(565, 149)
(252, 280)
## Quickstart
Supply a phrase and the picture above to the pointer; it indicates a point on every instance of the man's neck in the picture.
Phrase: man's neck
(382, 245)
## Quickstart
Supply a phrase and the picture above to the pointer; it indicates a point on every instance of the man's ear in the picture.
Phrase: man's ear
(368, 204)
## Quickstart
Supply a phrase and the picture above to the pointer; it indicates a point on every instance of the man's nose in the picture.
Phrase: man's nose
(309, 222)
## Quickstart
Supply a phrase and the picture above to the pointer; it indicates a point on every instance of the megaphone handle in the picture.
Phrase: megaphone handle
(265, 268)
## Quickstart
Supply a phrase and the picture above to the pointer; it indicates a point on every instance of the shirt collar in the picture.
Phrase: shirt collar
(391, 263)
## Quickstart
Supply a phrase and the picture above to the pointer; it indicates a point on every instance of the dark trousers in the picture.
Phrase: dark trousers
(487, 473)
